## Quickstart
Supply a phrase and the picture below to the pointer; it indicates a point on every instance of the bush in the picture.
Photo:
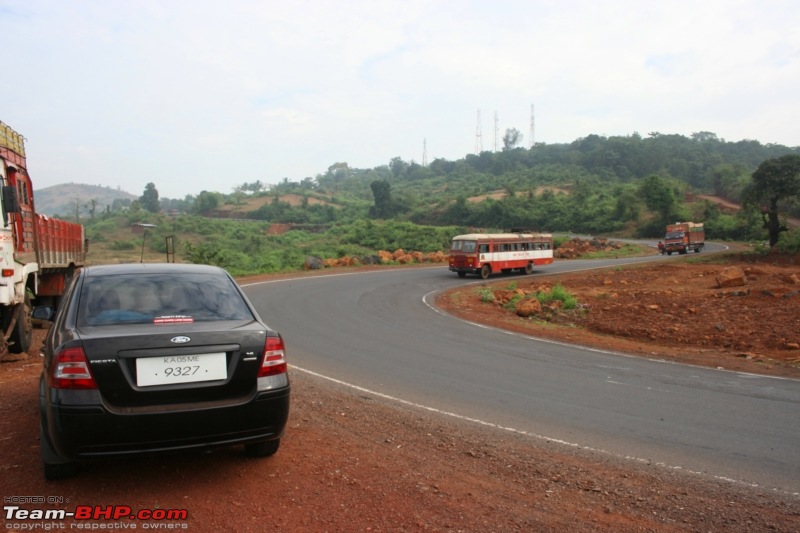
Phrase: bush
(789, 242)
(123, 245)
(558, 292)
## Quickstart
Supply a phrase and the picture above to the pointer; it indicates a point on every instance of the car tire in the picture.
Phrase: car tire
(262, 449)
(22, 334)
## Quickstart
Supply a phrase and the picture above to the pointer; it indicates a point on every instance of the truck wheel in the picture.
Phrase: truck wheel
(485, 271)
(529, 269)
(22, 334)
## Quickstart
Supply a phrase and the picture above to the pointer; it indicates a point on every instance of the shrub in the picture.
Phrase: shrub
(558, 292)
(486, 294)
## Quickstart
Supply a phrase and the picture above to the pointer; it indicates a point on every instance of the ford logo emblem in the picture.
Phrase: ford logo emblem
(180, 340)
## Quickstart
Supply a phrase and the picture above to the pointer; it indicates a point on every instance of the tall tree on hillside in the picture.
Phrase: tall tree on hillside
(397, 166)
(658, 196)
(511, 139)
(774, 182)
(149, 198)
(382, 192)
(91, 205)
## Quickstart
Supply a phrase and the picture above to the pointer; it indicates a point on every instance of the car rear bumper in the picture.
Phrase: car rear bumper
(83, 432)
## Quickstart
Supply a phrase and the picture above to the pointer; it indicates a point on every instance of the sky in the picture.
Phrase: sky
(199, 95)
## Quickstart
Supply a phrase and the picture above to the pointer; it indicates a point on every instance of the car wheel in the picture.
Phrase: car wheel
(22, 334)
(262, 449)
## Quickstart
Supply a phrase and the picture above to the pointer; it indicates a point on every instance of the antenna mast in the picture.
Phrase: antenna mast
(533, 128)
(424, 152)
(478, 139)
(496, 130)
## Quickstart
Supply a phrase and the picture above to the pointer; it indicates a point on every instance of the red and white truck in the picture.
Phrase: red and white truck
(682, 237)
(38, 254)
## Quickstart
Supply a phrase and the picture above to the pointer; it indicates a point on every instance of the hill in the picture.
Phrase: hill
(61, 200)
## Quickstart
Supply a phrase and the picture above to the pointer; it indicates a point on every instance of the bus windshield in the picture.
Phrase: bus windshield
(468, 247)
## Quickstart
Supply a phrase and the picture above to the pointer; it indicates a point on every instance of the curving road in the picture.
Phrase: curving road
(377, 330)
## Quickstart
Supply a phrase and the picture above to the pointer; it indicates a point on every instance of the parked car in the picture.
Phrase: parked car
(150, 357)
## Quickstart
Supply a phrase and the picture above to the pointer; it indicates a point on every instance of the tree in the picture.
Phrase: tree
(511, 139)
(382, 192)
(207, 201)
(91, 205)
(658, 196)
(149, 198)
(397, 166)
(774, 181)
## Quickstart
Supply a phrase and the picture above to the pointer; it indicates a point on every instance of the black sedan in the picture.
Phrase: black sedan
(145, 358)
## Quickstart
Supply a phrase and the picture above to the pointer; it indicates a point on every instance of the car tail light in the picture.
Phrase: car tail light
(274, 361)
(71, 370)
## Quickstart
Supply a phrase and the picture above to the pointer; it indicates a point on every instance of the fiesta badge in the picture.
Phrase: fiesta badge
(180, 340)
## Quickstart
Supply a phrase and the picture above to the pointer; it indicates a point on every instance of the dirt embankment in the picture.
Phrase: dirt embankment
(739, 312)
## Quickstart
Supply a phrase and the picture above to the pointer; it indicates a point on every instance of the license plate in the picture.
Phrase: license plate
(180, 369)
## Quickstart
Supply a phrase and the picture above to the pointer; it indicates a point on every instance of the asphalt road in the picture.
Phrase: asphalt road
(378, 331)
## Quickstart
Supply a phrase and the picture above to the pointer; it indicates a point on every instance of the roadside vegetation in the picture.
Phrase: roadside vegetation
(612, 186)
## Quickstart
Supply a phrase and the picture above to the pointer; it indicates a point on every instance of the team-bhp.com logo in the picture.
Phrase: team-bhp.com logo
(87, 516)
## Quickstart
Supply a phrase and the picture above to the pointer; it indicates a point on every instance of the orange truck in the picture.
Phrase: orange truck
(684, 236)
(38, 254)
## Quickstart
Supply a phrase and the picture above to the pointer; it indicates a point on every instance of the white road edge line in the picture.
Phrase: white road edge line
(525, 433)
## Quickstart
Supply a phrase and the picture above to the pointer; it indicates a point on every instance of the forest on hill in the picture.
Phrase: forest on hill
(615, 186)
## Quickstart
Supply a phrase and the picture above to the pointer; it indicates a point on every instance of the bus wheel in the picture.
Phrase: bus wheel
(462, 274)
(485, 271)
(529, 269)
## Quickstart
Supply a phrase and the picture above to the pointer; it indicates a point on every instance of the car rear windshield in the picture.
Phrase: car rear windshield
(160, 299)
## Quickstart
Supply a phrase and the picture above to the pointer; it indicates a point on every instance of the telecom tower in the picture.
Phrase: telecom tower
(478, 139)
(496, 130)
(424, 152)
(533, 128)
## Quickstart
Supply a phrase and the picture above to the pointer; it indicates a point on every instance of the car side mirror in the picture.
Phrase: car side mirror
(44, 312)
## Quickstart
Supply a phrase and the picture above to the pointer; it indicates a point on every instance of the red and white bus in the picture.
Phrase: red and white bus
(488, 253)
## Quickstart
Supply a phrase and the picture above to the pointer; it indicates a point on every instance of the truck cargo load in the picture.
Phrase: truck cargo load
(682, 237)
(38, 254)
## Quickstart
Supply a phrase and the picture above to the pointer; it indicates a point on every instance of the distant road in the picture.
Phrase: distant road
(730, 206)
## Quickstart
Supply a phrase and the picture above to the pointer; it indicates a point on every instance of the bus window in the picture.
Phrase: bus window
(467, 247)
(484, 249)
